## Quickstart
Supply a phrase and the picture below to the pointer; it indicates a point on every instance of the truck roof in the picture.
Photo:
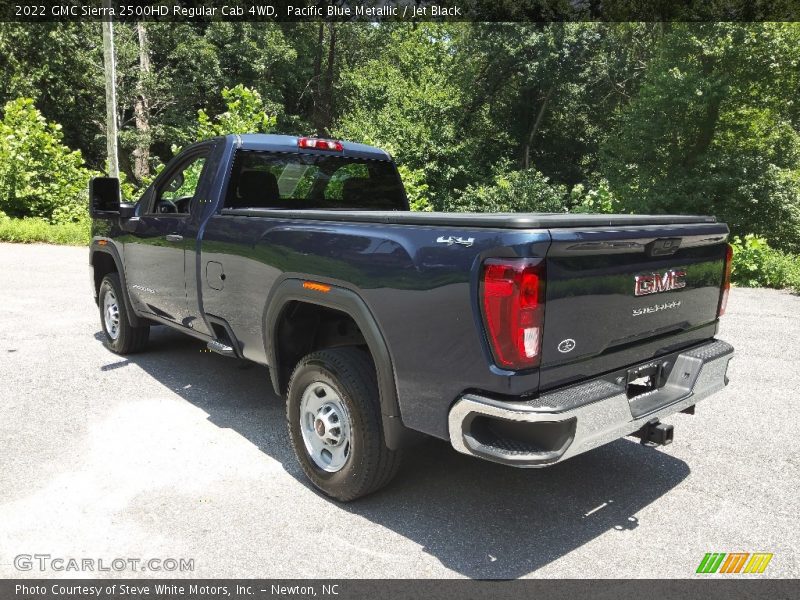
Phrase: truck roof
(288, 143)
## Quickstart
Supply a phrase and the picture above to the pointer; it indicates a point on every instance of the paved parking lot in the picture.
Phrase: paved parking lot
(179, 453)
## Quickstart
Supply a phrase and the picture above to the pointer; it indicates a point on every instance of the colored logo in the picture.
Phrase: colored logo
(734, 562)
(654, 283)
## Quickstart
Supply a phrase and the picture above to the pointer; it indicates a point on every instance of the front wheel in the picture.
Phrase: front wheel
(335, 426)
(119, 335)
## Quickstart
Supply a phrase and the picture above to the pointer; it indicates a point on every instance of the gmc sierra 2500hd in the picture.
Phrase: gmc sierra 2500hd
(523, 339)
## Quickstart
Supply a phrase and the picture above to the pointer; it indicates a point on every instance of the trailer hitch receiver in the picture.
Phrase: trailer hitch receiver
(655, 433)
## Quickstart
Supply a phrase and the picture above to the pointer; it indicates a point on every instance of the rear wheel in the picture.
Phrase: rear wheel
(119, 336)
(335, 424)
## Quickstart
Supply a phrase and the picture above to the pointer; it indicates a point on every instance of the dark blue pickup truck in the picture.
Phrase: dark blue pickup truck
(523, 339)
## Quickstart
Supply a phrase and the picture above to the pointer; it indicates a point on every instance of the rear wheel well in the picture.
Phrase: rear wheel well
(304, 328)
(103, 264)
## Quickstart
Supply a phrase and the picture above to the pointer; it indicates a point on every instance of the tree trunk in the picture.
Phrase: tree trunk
(328, 92)
(141, 110)
(316, 88)
(125, 166)
(708, 124)
(323, 89)
(535, 128)
(110, 72)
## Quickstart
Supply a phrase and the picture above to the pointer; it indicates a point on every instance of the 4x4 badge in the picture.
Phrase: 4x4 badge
(450, 240)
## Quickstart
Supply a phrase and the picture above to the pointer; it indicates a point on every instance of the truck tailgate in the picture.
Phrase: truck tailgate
(612, 290)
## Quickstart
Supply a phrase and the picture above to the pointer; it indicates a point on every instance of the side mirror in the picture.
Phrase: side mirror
(104, 197)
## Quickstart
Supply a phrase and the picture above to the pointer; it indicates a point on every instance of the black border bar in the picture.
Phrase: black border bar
(533, 11)
(729, 588)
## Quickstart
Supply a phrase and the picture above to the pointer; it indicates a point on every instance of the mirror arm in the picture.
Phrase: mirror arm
(127, 210)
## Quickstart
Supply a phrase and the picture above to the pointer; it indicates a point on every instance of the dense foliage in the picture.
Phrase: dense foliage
(714, 129)
(245, 113)
(509, 191)
(39, 176)
(608, 117)
(755, 264)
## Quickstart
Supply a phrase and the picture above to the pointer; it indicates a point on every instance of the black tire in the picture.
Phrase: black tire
(370, 465)
(129, 339)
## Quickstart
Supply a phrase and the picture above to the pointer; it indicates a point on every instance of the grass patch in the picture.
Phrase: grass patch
(33, 230)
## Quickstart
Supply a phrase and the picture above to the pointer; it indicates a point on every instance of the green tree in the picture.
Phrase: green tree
(59, 66)
(514, 191)
(405, 100)
(714, 130)
(39, 175)
(417, 191)
(246, 113)
(630, 117)
(187, 66)
(540, 96)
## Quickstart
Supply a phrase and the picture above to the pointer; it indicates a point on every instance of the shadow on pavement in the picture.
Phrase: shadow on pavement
(479, 519)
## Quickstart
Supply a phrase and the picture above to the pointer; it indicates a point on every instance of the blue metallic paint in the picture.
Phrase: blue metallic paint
(423, 295)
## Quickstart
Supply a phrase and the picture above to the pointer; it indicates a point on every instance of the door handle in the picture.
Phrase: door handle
(172, 237)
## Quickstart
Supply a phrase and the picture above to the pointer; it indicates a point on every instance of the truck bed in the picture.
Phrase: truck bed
(482, 220)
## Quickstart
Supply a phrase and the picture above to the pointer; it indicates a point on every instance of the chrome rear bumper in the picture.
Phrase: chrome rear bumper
(573, 420)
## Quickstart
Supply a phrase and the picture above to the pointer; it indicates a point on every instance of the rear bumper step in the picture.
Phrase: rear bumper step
(566, 422)
(221, 348)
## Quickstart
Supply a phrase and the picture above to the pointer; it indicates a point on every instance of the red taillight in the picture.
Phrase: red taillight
(512, 292)
(726, 283)
(318, 144)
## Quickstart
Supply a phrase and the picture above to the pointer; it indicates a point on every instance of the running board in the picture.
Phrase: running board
(220, 348)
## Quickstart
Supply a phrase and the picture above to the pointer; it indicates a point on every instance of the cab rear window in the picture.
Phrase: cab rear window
(312, 181)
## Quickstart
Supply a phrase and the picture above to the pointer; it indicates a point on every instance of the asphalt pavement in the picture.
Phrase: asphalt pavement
(178, 453)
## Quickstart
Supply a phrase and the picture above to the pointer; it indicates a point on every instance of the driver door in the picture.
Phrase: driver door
(154, 251)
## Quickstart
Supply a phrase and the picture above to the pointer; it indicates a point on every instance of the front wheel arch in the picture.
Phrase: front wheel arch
(105, 260)
(119, 335)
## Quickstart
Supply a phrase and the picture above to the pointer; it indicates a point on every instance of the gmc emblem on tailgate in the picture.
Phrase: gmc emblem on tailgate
(653, 283)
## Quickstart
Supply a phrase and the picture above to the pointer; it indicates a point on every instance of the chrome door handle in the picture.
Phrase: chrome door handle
(172, 237)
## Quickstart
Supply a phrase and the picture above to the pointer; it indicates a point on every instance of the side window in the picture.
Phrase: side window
(175, 195)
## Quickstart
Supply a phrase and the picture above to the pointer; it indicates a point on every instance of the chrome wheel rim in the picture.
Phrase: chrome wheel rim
(111, 314)
(325, 426)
